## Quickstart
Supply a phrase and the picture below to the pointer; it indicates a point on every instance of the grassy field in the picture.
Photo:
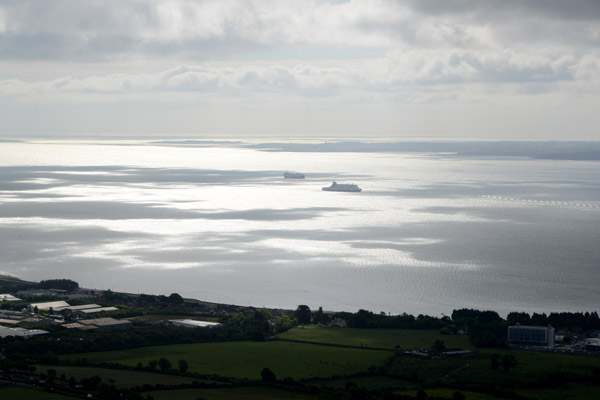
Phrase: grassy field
(531, 367)
(566, 392)
(121, 379)
(246, 393)
(367, 382)
(381, 338)
(17, 393)
(449, 392)
(247, 359)
(529, 364)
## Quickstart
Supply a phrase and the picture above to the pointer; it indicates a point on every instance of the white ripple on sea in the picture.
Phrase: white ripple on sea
(593, 206)
(349, 255)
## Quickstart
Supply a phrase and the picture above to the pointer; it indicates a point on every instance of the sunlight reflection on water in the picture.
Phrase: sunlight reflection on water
(426, 235)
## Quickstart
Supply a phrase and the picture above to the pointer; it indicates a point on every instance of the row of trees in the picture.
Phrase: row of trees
(62, 284)
(485, 328)
(587, 320)
(164, 365)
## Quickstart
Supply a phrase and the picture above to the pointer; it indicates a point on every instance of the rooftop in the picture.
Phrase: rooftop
(193, 323)
(97, 310)
(8, 297)
(82, 307)
(4, 332)
(54, 305)
(99, 322)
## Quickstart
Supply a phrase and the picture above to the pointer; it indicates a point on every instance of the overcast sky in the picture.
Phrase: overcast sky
(505, 69)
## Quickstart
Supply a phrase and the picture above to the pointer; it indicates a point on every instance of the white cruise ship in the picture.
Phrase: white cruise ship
(342, 187)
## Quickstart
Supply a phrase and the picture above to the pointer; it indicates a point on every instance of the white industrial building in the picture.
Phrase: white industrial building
(190, 323)
(8, 297)
(95, 310)
(533, 335)
(54, 305)
(26, 333)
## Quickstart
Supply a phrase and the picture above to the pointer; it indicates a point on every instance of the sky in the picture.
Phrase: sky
(452, 69)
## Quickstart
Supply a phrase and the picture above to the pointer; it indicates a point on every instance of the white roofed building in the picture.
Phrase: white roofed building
(8, 297)
(54, 305)
(191, 323)
(21, 332)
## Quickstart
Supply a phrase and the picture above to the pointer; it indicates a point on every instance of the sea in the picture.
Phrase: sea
(217, 221)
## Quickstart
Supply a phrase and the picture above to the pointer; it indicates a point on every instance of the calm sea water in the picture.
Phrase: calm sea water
(428, 233)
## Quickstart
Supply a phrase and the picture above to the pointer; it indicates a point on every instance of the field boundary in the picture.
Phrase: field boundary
(348, 346)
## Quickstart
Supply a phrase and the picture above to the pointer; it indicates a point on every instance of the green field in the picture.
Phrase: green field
(120, 378)
(449, 392)
(367, 382)
(246, 393)
(407, 339)
(532, 369)
(566, 392)
(18, 393)
(247, 359)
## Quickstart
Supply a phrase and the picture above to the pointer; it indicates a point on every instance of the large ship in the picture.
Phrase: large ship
(293, 175)
(342, 187)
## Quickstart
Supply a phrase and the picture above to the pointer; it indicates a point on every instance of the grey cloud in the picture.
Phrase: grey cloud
(499, 9)
(512, 23)
(402, 69)
(105, 30)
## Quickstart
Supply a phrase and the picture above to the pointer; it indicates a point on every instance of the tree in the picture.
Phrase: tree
(458, 396)
(183, 366)
(266, 314)
(51, 375)
(63, 284)
(438, 346)
(164, 364)
(92, 382)
(321, 317)
(283, 324)
(508, 361)
(175, 298)
(303, 314)
(266, 375)
(152, 364)
(495, 361)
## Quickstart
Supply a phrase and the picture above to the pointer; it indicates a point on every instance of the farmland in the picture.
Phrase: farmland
(375, 338)
(247, 359)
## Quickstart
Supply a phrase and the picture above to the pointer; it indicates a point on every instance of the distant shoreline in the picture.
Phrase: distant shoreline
(100, 291)
(545, 150)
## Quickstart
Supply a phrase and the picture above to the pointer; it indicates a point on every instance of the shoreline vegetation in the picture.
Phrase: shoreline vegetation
(281, 354)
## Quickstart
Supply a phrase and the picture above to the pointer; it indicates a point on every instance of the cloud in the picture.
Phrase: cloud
(97, 30)
(400, 68)
(296, 67)
(498, 10)
(206, 30)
